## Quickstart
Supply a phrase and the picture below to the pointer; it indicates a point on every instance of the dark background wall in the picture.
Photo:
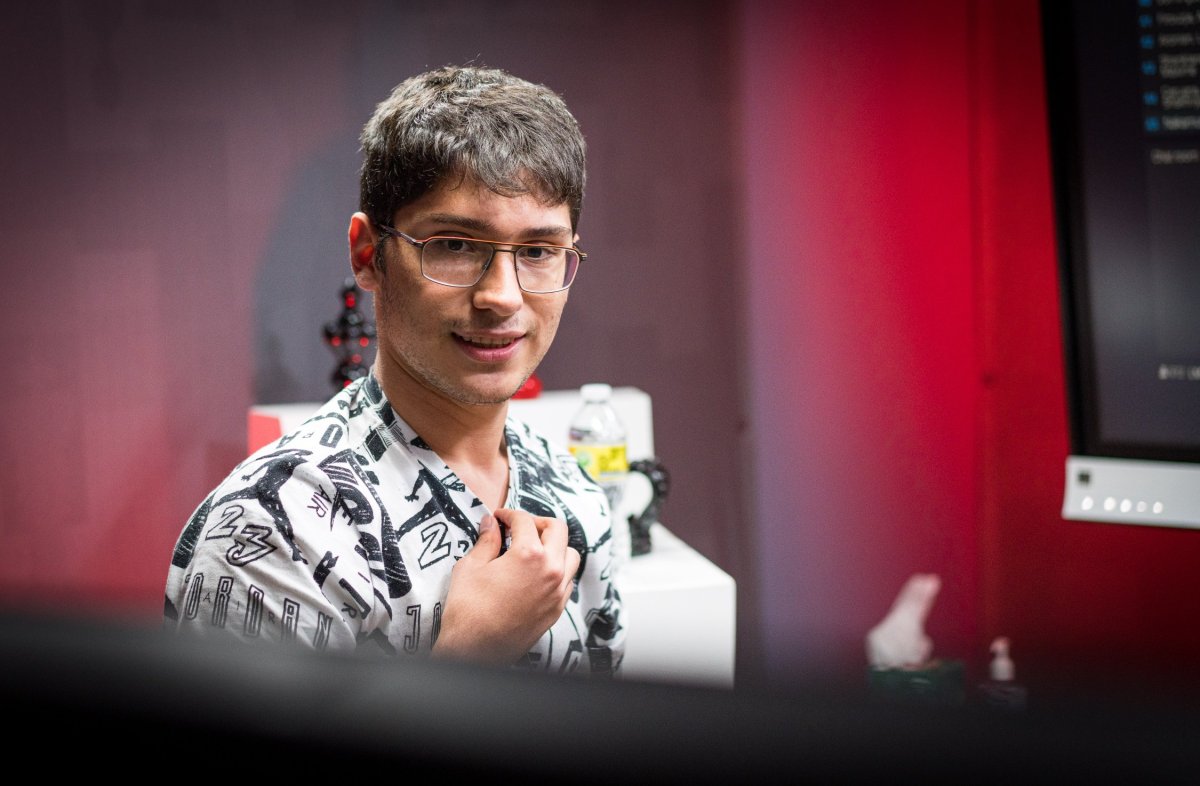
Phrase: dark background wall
(822, 241)
(186, 174)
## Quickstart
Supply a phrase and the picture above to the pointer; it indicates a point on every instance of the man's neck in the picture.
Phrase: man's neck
(468, 437)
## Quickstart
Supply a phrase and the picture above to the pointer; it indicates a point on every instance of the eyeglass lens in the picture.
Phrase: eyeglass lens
(460, 262)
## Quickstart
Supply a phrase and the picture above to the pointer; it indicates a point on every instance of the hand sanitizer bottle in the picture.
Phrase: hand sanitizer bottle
(1001, 689)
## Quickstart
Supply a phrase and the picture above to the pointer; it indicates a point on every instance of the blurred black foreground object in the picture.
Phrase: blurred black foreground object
(91, 697)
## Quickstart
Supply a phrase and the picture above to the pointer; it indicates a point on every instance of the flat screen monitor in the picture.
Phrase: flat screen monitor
(1123, 91)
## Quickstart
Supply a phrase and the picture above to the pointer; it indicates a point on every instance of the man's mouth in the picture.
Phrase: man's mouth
(486, 342)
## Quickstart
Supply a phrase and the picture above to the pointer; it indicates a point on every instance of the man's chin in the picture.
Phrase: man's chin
(490, 394)
(484, 401)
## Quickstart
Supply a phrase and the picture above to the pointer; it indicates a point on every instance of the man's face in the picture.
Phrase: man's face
(471, 345)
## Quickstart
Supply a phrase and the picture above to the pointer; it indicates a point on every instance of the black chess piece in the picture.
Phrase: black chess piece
(350, 336)
(660, 486)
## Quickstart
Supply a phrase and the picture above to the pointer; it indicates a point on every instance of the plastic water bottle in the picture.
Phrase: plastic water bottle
(597, 441)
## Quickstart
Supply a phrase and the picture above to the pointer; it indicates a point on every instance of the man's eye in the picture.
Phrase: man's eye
(457, 245)
(539, 253)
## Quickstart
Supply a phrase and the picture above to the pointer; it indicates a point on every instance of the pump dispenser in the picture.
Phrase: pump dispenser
(1001, 689)
(1002, 668)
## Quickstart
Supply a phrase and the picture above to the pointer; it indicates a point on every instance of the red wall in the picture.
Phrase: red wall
(905, 356)
(862, 348)
(1082, 601)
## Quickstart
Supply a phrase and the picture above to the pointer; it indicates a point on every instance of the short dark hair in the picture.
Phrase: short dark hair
(513, 136)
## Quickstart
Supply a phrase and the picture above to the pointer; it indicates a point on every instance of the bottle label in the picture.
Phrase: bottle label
(602, 462)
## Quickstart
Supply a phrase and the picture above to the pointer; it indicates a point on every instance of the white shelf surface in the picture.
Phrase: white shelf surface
(681, 615)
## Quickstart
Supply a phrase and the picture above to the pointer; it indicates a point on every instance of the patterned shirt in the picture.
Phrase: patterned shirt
(344, 532)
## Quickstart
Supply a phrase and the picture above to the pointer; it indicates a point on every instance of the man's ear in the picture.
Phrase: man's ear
(362, 253)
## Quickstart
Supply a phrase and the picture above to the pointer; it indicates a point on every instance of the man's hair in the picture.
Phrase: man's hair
(513, 136)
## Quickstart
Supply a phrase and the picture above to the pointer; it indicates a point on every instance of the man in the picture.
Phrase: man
(411, 513)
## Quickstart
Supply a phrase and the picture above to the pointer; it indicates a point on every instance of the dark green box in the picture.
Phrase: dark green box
(938, 682)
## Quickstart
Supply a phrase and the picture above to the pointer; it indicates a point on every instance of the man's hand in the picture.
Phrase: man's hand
(497, 607)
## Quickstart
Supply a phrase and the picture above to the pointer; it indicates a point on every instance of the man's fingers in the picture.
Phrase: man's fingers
(526, 528)
(545, 536)
(554, 534)
(487, 545)
(521, 527)
(570, 566)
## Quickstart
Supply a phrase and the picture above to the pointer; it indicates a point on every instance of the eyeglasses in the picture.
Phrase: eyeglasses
(462, 261)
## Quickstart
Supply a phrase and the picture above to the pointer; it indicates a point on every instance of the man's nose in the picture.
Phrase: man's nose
(498, 290)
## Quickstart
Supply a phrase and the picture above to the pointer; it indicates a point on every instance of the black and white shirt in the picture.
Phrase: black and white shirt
(343, 533)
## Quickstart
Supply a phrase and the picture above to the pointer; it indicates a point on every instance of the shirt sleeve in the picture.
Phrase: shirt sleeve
(605, 613)
(267, 557)
(606, 633)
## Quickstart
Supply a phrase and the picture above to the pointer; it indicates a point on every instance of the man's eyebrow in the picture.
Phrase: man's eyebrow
(487, 228)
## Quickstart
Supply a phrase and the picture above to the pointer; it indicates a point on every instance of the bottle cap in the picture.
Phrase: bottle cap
(596, 391)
